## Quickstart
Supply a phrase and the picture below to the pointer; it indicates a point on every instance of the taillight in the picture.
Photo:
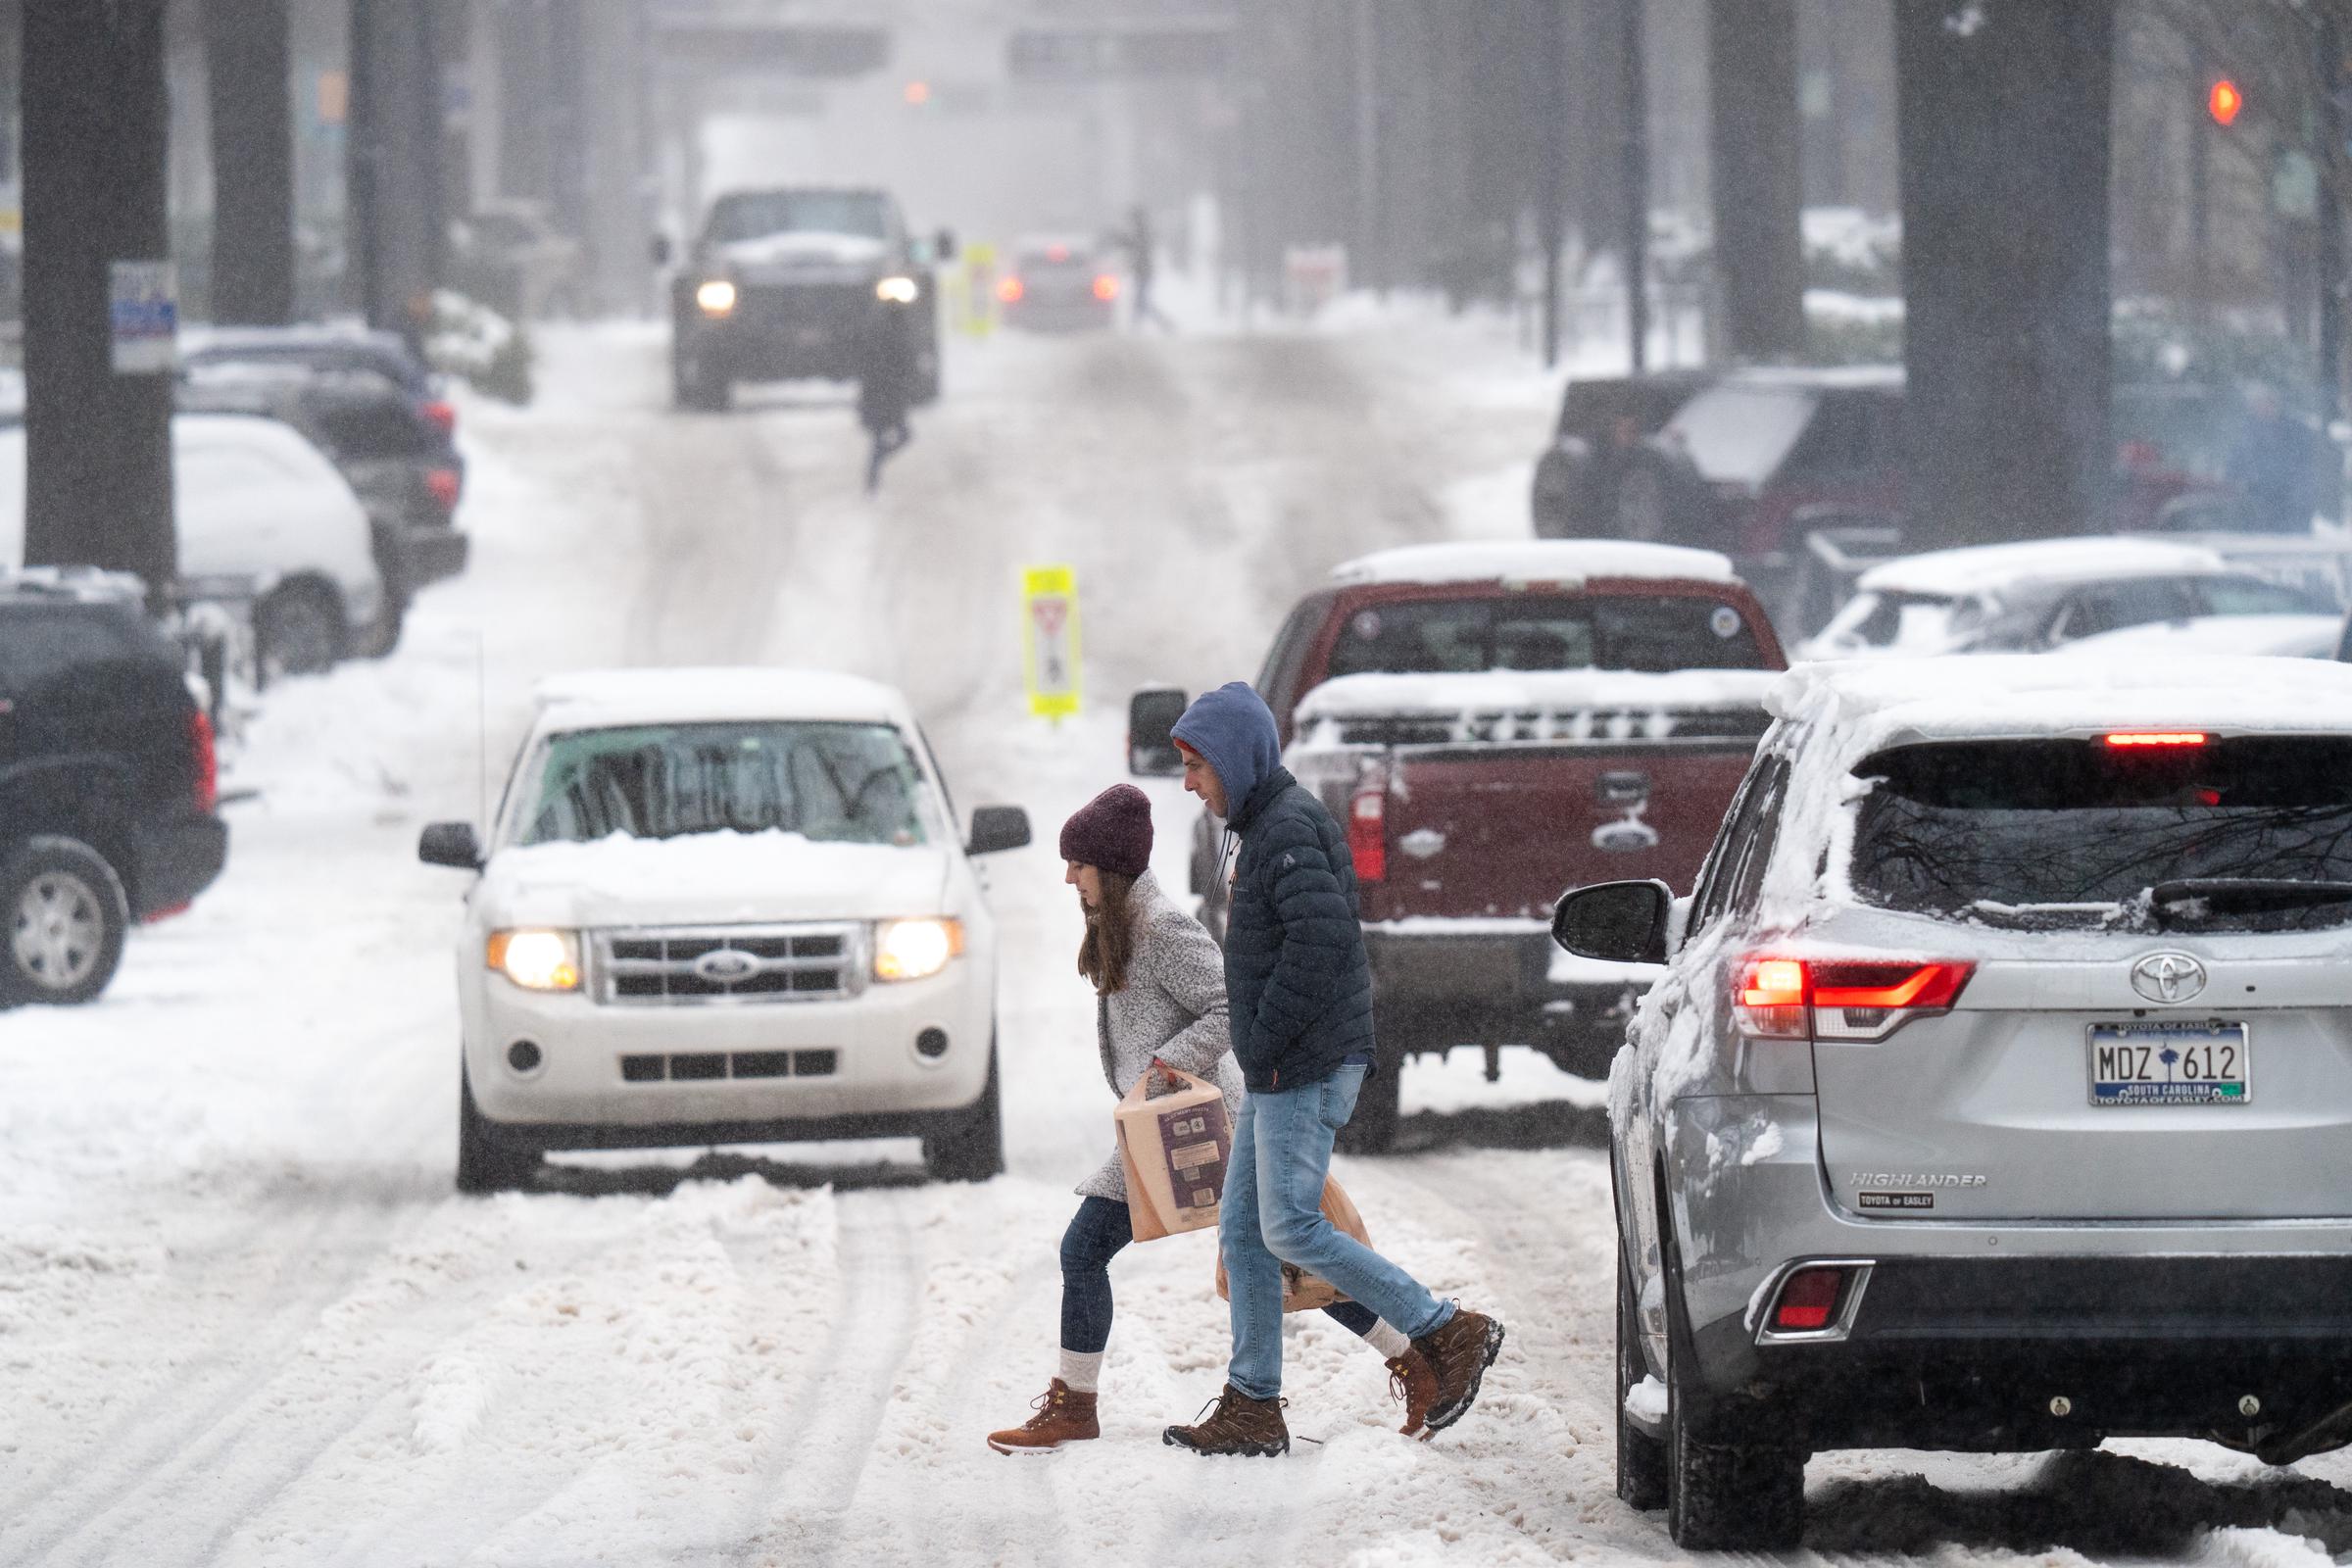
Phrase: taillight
(1808, 1300)
(444, 485)
(1009, 290)
(1106, 287)
(2131, 738)
(443, 415)
(1368, 830)
(1842, 999)
(207, 760)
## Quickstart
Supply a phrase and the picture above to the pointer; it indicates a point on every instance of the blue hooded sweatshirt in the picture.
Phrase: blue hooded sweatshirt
(1298, 982)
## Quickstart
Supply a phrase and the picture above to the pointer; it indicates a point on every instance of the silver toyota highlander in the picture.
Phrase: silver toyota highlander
(1996, 1093)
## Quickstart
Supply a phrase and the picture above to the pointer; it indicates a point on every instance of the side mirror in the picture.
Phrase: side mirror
(996, 828)
(451, 844)
(1151, 713)
(942, 245)
(1616, 923)
(660, 250)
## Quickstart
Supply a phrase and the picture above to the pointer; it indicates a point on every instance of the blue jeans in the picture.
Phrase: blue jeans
(1272, 1214)
(1098, 1232)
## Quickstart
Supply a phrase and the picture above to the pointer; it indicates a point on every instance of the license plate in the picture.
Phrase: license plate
(2170, 1064)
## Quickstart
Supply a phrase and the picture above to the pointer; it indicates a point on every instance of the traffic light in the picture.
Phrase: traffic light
(2224, 101)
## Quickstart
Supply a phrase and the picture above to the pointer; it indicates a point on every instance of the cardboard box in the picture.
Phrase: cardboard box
(1174, 1142)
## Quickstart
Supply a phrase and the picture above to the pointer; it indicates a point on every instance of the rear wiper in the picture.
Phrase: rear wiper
(2233, 895)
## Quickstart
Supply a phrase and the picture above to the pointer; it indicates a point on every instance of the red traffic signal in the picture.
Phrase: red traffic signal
(2224, 101)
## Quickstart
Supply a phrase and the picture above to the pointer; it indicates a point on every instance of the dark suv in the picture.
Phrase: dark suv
(107, 782)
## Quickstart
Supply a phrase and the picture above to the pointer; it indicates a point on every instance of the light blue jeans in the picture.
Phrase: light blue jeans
(1272, 1214)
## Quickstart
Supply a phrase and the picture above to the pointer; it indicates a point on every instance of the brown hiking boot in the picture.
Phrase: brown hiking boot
(1412, 1380)
(1064, 1415)
(1459, 1352)
(1241, 1425)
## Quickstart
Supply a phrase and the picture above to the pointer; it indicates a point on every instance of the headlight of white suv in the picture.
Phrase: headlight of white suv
(911, 949)
(537, 961)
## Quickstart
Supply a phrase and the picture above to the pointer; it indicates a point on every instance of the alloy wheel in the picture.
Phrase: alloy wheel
(59, 931)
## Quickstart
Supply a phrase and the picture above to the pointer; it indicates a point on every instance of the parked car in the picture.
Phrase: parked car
(107, 782)
(324, 348)
(262, 517)
(1059, 282)
(725, 907)
(401, 463)
(510, 257)
(1492, 723)
(1994, 1095)
(2045, 594)
(785, 284)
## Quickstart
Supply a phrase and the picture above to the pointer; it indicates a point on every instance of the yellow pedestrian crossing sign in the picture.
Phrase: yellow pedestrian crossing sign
(1050, 640)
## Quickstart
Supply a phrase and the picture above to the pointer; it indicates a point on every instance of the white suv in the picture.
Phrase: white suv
(725, 905)
(1997, 1090)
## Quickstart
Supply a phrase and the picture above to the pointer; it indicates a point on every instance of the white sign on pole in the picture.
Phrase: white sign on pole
(143, 305)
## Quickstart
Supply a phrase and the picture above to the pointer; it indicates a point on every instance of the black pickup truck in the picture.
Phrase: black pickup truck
(108, 788)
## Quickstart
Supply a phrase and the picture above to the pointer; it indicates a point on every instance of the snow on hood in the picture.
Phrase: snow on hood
(804, 250)
(710, 879)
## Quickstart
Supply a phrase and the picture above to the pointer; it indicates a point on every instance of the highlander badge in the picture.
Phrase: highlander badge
(2167, 977)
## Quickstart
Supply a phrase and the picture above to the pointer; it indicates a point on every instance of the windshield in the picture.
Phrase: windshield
(1739, 434)
(1528, 632)
(755, 215)
(2074, 832)
(1888, 618)
(838, 783)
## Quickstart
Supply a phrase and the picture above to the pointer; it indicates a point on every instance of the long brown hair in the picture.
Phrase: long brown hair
(1109, 943)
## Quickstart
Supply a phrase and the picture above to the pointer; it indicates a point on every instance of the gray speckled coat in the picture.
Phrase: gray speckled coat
(1173, 1007)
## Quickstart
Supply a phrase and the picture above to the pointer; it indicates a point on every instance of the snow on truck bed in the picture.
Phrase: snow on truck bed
(1567, 562)
(1541, 705)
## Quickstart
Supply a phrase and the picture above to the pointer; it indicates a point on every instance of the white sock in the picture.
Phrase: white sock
(1080, 1371)
(1386, 1338)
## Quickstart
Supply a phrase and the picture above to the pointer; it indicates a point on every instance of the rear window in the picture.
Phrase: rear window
(42, 643)
(1739, 434)
(2073, 833)
(1533, 631)
(833, 782)
(372, 427)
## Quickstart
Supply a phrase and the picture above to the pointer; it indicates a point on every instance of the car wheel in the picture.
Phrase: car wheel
(1372, 1128)
(299, 629)
(972, 1149)
(1640, 1457)
(66, 916)
(1720, 1496)
(486, 1164)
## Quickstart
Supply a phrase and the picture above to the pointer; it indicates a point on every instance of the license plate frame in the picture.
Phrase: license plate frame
(2149, 1038)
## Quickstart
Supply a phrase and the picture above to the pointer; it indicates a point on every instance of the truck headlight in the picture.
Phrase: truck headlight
(537, 961)
(716, 297)
(897, 291)
(911, 949)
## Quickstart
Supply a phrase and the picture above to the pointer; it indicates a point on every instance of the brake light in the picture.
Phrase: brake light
(1106, 287)
(1808, 1300)
(207, 759)
(1368, 830)
(444, 485)
(2157, 737)
(443, 417)
(1010, 290)
(1842, 999)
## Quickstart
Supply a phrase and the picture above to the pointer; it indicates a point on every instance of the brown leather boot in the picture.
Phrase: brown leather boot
(1064, 1415)
(1459, 1352)
(1411, 1379)
(1239, 1425)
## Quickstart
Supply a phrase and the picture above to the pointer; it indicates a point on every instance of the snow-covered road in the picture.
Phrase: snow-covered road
(244, 1319)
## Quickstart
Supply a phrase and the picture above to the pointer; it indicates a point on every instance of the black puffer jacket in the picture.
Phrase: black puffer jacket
(1295, 975)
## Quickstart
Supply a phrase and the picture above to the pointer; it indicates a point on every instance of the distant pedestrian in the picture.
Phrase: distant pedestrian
(2274, 466)
(887, 367)
(1141, 260)
(1300, 989)
(1159, 993)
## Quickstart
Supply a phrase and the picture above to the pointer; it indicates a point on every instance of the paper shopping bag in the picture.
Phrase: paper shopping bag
(1302, 1292)
(1174, 1141)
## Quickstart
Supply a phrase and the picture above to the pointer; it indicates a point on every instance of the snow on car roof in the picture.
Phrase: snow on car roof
(1871, 704)
(1560, 560)
(1516, 690)
(1988, 569)
(689, 695)
(2287, 636)
(1863, 377)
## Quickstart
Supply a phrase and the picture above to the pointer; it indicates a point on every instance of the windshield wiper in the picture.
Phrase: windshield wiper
(2235, 895)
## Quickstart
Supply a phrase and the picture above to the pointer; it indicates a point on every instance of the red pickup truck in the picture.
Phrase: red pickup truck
(1495, 723)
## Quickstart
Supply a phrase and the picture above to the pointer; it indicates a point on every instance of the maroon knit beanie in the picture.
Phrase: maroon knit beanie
(1112, 832)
